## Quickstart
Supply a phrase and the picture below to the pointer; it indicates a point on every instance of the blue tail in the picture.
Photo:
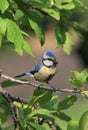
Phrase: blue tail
(23, 74)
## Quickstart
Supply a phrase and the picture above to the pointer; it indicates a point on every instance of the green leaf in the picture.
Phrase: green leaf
(64, 117)
(26, 110)
(73, 125)
(76, 80)
(2, 26)
(79, 6)
(68, 43)
(52, 12)
(66, 103)
(8, 83)
(22, 123)
(67, 1)
(39, 96)
(68, 6)
(2, 29)
(60, 35)
(18, 104)
(28, 48)
(50, 105)
(42, 113)
(61, 124)
(43, 96)
(3, 5)
(32, 101)
(3, 117)
(84, 75)
(0, 40)
(14, 35)
(25, 34)
(83, 123)
(64, 38)
(19, 14)
(79, 78)
(36, 126)
(85, 93)
(35, 21)
(46, 126)
(39, 3)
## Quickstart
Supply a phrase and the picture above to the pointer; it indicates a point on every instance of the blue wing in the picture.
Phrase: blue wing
(36, 68)
(32, 72)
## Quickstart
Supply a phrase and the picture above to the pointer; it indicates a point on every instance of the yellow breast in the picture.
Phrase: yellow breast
(45, 74)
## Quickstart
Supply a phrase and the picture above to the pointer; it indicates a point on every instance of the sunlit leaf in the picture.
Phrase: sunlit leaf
(2, 26)
(83, 123)
(52, 12)
(85, 93)
(79, 78)
(14, 35)
(67, 6)
(68, 43)
(84, 75)
(3, 5)
(42, 112)
(73, 125)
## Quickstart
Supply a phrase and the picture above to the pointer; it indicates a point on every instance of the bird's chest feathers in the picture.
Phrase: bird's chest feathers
(45, 73)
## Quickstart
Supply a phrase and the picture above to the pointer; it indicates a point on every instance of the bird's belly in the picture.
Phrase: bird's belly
(45, 74)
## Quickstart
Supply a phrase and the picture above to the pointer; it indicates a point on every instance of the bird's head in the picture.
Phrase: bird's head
(49, 59)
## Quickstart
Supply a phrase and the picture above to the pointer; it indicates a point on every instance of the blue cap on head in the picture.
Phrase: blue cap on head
(49, 54)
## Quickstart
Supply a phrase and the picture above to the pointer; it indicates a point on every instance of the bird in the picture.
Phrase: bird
(45, 70)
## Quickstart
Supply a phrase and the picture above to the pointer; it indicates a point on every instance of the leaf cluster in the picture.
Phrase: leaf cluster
(17, 18)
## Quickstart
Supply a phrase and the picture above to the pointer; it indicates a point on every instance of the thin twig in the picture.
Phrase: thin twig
(41, 86)
(7, 96)
(52, 126)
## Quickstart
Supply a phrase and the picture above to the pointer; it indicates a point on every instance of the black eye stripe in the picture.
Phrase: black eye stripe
(48, 59)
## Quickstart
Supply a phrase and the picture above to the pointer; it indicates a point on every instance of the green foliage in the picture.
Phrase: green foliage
(80, 78)
(16, 15)
(83, 123)
(66, 103)
(43, 104)
(73, 125)
(35, 21)
(64, 38)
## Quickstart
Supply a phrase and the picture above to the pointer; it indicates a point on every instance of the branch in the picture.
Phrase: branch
(10, 98)
(41, 86)
(51, 124)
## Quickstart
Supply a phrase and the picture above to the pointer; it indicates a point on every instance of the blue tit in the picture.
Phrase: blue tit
(44, 71)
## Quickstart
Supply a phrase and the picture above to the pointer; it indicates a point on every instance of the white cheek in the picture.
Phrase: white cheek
(48, 62)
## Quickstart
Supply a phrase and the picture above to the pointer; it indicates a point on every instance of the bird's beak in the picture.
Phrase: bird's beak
(55, 62)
